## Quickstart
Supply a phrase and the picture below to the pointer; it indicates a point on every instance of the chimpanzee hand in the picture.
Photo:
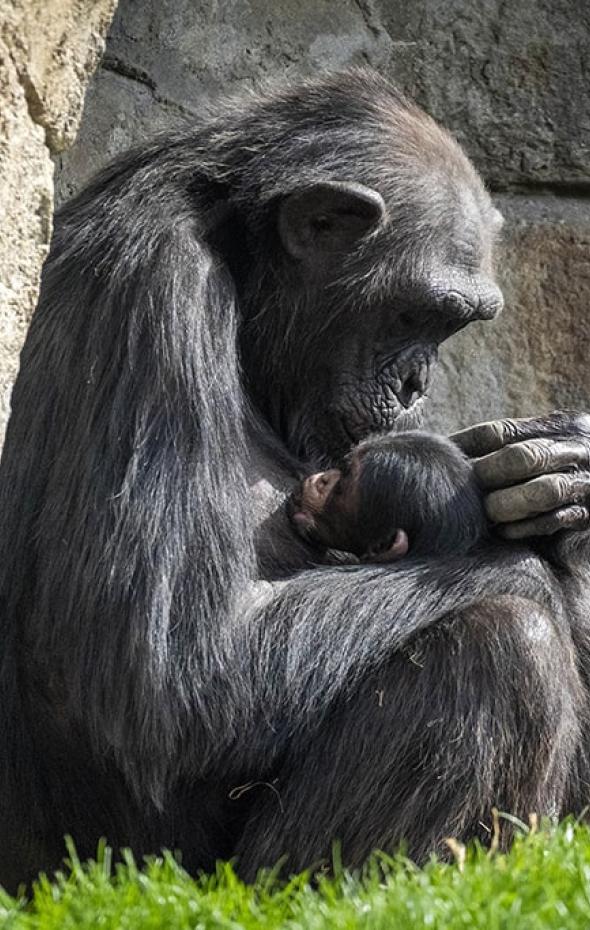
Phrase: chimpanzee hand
(536, 469)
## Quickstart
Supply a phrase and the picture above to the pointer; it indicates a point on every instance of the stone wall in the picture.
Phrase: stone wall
(510, 79)
(48, 50)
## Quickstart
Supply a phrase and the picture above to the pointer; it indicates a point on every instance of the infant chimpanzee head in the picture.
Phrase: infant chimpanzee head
(394, 493)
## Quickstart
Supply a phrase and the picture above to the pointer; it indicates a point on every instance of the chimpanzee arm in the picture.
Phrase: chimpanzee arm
(537, 472)
(318, 636)
(124, 537)
(405, 703)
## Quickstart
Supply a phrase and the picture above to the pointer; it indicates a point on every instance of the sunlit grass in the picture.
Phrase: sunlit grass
(544, 882)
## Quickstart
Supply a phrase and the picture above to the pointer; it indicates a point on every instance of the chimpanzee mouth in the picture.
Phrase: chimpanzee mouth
(392, 399)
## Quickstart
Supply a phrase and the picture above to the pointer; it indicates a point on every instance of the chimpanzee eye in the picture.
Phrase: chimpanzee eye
(322, 223)
(338, 489)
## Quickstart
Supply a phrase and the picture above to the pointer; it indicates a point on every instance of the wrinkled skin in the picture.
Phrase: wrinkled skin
(361, 299)
(367, 362)
(537, 470)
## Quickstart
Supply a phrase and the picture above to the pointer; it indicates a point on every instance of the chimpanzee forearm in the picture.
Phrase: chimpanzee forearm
(309, 657)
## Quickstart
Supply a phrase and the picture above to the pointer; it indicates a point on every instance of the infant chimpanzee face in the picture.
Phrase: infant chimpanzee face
(325, 511)
(393, 493)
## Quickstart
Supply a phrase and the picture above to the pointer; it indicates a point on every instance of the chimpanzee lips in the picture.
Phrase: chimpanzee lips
(386, 397)
(390, 398)
(407, 376)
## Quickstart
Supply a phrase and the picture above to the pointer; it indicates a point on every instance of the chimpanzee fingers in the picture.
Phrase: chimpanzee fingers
(483, 438)
(576, 517)
(529, 459)
(539, 496)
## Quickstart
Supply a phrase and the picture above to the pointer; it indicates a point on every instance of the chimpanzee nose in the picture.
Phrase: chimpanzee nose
(480, 301)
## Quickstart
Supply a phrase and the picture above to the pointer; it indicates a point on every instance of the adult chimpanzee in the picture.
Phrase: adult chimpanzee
(393, 494)
(267, 288)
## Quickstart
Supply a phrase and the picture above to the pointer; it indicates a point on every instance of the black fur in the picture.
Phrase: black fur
(177, 365)
(423, 484)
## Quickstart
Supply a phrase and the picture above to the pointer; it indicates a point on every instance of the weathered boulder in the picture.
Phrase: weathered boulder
(48, 50)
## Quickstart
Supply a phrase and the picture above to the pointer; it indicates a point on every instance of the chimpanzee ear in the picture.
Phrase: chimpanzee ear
(396, 548)
(328, 217)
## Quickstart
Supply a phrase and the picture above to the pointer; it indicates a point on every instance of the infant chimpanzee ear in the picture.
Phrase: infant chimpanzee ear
(395, 548)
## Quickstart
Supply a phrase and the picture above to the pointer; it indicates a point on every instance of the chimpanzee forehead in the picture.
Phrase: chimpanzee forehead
(347, 497)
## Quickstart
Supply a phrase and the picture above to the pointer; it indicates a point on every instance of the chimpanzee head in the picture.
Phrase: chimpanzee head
(367, 241)
(393, 494)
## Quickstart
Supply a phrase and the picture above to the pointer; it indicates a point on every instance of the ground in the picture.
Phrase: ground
(544, 882)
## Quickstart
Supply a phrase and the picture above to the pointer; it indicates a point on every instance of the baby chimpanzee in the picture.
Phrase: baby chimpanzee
(395, 493)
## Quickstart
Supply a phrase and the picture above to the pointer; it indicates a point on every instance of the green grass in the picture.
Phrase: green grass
(544, 882)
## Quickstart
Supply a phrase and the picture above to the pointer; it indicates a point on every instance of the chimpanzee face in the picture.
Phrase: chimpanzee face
(371, 367)
(325, 508)
(370, 276)
(325, 511)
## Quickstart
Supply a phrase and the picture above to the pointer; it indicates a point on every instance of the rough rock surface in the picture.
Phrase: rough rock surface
(165, 60)
(535, 356)
(512, 81)
(48, 50)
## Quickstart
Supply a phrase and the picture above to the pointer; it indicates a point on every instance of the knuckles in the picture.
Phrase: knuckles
(535, 457)
(508, 431)
(548, 492)
(515, 463)
(540, 496)
(566, 518)
(576, 516)
(493, 435)
(575, 423)
(537, 472)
